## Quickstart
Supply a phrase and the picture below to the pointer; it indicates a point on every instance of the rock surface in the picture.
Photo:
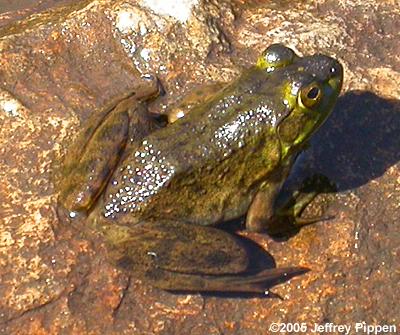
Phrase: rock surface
(57, 66)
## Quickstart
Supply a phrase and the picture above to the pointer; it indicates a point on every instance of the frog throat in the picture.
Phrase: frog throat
(288, 147)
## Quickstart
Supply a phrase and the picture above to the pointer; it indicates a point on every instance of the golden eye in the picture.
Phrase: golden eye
(311, 95)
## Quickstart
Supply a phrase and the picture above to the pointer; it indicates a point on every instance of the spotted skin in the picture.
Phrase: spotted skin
(157, 197)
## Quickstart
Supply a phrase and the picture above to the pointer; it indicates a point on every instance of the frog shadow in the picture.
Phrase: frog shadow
(358, 143)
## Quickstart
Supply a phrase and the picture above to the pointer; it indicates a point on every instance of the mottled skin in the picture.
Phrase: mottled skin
(158, 192)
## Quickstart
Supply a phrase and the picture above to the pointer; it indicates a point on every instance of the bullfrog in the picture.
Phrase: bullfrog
(158, 193)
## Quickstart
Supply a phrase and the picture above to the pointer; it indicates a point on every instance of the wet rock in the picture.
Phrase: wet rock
(58, 66)
(11, 11)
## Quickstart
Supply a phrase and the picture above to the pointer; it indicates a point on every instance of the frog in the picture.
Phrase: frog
(158, 194)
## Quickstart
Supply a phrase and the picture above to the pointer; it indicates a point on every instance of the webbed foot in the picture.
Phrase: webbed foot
(184, 257)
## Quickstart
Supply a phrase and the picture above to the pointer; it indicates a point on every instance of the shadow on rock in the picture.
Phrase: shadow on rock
(358, 143)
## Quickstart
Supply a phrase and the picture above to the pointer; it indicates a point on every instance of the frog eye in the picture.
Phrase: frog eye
(311, 95)
(276, 55)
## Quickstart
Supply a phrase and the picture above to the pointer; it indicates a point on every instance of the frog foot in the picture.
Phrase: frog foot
(285, 218)
(311, 187)
(175, 256)
(254, 283)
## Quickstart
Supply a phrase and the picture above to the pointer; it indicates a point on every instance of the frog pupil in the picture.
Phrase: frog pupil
(313, 93)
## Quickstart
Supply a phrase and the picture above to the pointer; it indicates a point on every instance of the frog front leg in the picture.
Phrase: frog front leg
(295, 203)
(93, 157)
(266, 214)
(183, 257)
(262, 212)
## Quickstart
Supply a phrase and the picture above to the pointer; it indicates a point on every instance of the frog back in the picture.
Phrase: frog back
(205, 167)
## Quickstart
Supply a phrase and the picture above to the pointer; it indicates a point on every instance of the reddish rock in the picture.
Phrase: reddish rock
(56, 67)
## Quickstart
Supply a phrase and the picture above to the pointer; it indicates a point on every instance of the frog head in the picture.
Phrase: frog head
(309, 87)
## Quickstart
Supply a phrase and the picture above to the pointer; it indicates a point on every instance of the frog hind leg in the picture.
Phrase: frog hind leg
(90, 163)
(144, 89)
(257, 283)
(183, 257)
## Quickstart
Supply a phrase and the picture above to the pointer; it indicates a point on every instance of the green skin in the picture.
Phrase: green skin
(157, 194)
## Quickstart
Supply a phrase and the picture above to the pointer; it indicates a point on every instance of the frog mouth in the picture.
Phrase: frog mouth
(336, 76)
(336, 84)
